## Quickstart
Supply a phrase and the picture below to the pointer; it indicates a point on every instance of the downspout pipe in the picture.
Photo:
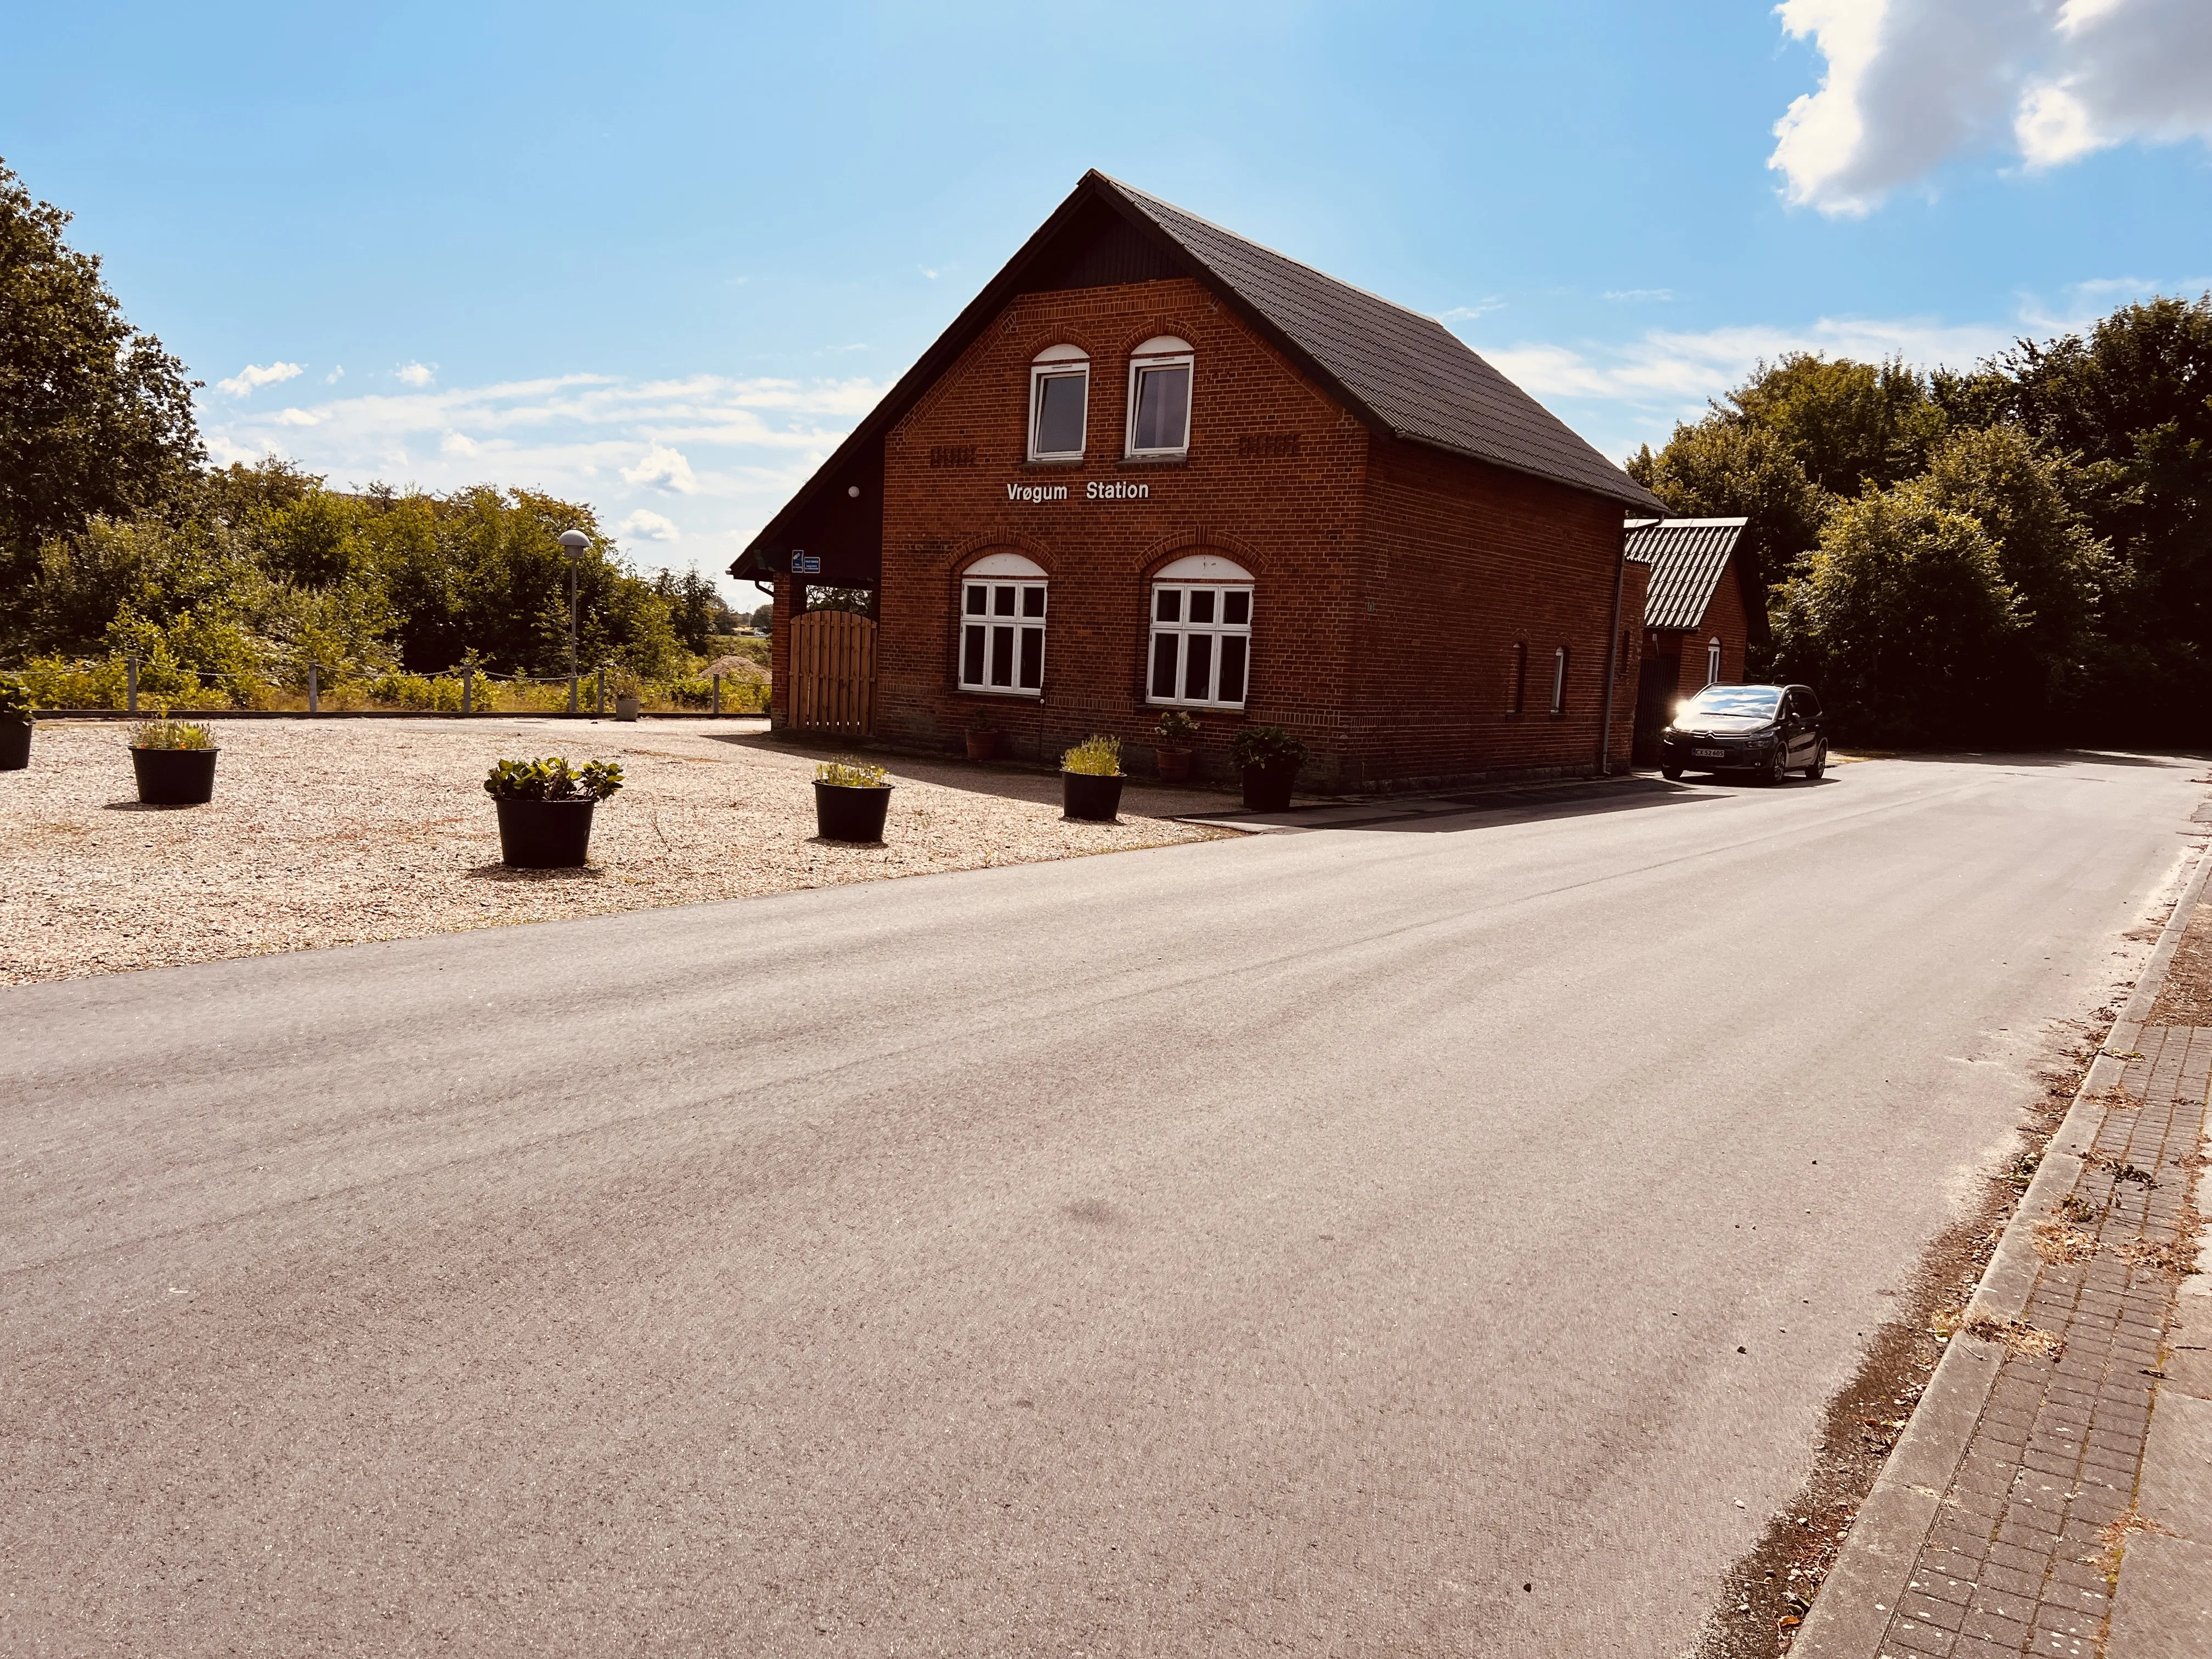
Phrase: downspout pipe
(1611, 657)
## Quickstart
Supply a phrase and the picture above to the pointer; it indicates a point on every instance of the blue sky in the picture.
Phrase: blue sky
(660, 257)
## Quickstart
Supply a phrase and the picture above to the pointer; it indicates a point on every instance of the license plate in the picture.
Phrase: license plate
(1708, 754)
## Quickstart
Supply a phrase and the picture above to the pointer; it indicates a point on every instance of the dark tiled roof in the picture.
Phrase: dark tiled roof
(1407, 372)
(1687, 556)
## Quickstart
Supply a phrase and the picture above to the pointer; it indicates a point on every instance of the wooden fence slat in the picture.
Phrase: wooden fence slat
(833, 654)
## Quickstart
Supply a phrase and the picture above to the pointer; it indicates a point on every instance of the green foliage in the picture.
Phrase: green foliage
(982, 721)
(16, 702)
(166, 733)
(95, 418)
(1266, 745)
(839, 776)
(1097, 756)
(1850, 425)
(1904, 620)
(552, 778)
(764, 618)
(1176, 728)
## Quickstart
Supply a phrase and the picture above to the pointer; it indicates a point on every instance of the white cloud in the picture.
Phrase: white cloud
(1636, 294)
(1619, 394)
(335, 375)
(1479, 308)
(1910, 82)
(417, 374)
(253, 377)
(458, 443)
(928, 272)
(665, 468)
(647, 526)
(296, 418)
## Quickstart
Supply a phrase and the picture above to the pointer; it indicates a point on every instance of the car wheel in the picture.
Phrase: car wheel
(1819, 763)
(1777, 767)
(1671, 774)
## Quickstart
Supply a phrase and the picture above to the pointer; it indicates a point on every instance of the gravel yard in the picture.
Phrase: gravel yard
(337, 832)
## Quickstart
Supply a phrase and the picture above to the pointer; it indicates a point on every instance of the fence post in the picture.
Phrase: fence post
(599, 690)
(468, 687)
(130, 680)
(718, 694)
(571, 690)
(315, 692)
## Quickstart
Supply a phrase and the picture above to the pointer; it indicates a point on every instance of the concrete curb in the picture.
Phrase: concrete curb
(1853, 1608)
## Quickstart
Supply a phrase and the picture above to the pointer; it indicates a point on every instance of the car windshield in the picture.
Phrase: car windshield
(1734, 700)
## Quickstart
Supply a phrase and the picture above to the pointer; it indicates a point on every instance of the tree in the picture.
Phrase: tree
(95, 417)
(1901, 617)
(2056, 568)
(1723, 468)
(1850, 424)
(697, 608)
(2131, 401)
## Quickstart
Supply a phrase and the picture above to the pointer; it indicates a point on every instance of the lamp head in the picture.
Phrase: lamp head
(574, 542)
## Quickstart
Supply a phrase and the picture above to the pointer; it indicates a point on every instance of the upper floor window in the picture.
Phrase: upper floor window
(1712, 661)
(1559, 681)
(1060, 400)
(1160, 396)
(1002, 599)
(1201, 633)
(1516, 699)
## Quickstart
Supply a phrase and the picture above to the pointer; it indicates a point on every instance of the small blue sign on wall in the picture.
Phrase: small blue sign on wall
(805, 564)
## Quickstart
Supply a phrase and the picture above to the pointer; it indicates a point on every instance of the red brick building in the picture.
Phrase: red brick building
(1701, 612)
(1155, 465)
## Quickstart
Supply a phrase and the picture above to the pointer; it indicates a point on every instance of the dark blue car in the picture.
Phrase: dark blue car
(1770, 730)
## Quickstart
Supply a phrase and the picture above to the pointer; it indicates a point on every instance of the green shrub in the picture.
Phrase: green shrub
(15, 701)
(982, 721)
(1266, 745)
(170, 734)
(551, 779)
(1097, 756)
(839, 776)
(1176, 728)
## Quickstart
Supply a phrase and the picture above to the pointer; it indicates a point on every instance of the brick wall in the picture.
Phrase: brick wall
(1726, 621)
(1389, 579)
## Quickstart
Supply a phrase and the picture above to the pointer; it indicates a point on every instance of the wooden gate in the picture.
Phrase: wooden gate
(833, 673)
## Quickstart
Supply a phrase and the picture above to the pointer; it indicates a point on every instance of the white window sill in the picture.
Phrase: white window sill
(999, 691)
(1185, 703)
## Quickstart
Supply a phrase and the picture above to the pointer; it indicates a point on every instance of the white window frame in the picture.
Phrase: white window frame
(1183, 629)
(1712, 662)
(1559, 680)
(1021, 580)
(1161, 352)
(1054, 363)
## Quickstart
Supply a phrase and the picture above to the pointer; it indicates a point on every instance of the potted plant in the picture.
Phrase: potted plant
(174, 761)
(1175, 729)
(628, 688)
(1090, 780)
(16, 711)
(545, 809)
(1269, 758)
(850, 801)
(982, 739)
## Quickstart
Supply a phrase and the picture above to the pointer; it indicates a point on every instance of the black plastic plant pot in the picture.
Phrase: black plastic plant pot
(15, 744)
(843, 812)
(544, 834)
(174, 777)
(1088, 796)
(1267, 787)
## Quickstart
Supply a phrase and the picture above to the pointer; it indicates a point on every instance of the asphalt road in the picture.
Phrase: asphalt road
(1436, 1237)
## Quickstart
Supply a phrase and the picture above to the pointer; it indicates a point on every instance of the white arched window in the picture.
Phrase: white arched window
(1712, 662)
(1559, 681)
(1201, 637)
(1060, 403)
(1002, 626)
(1160, 396)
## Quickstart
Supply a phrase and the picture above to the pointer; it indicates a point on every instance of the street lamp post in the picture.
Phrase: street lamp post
(573, 543)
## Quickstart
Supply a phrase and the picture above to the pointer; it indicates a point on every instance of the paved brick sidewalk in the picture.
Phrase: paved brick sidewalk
(2013, 1500)
(2022, 1553)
